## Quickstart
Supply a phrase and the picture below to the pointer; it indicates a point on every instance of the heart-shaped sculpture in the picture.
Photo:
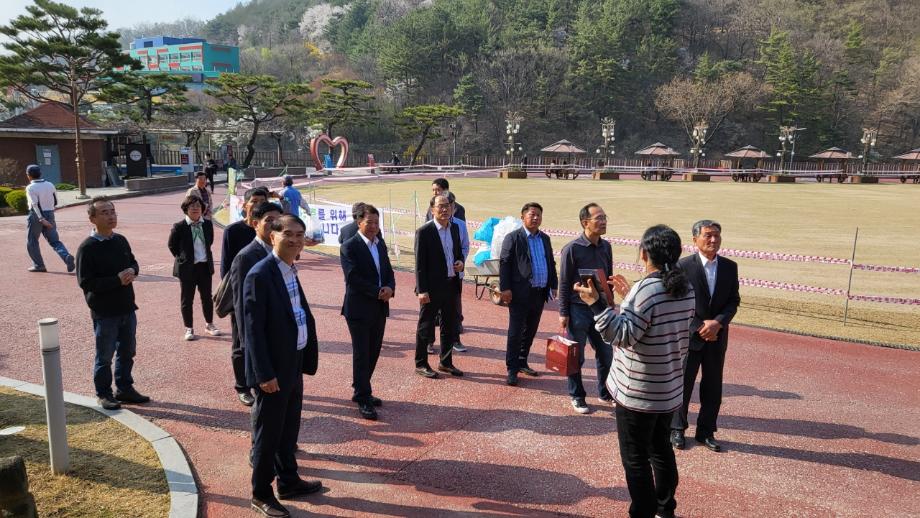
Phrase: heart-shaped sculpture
(332, 143)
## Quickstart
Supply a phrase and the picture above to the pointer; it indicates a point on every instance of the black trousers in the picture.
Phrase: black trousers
(444, 302)
(523, 321)
(645, 449)
(237, 357)
(711, 359)
(366, 341)
(210, 173)
(275, 426)
(201, 279)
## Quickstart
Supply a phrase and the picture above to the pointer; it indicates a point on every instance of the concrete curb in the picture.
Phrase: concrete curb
(183, 491)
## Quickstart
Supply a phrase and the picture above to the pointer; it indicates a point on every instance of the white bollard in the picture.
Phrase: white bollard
(49, 338)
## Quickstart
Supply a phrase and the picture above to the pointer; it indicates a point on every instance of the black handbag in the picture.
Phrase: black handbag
(223, 298)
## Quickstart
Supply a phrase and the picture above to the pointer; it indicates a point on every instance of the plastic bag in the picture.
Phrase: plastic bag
(314, 228)
(507, 225)
(484, 233)
(483, 254)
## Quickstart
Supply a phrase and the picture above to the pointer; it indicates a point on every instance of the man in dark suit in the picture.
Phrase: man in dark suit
(261, 216)
(236, 237)
(280, 347)
(438, 261)
(715, 281)
(240, 233)
(527, 278)
(349, 230)
(369, 286)
(439, 186)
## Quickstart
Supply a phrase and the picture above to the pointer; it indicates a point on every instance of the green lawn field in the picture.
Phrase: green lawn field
(808, 219)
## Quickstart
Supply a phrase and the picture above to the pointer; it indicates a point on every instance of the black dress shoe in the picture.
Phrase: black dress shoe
(450, 369)
(710, 442)
(302, 487)
(246, 398)
(528, 371)
(271, 508)
(677, 439)
(512, 379)
(367, 411)
(426, 371)
(108, 403)
(131, 396)
(376, 401)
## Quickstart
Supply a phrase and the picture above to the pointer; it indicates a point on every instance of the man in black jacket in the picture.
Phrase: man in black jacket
(527, 278)
(261, 216)
(438, 261)
(280, 345)
(236, 237)
(715, 281)
(106, 270)
(369, 286)
(241, 233)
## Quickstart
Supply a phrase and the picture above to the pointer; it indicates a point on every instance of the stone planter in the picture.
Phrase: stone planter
(863, 179)
(512, 173)
(605, 175)
(779, 178)
(696, 177)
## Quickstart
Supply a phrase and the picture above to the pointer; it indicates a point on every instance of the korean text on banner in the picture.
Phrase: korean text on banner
(332, 218)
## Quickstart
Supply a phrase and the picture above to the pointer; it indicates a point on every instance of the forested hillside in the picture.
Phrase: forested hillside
(655, 66)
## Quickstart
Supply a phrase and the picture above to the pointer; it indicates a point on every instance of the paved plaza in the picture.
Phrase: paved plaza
(810, 427)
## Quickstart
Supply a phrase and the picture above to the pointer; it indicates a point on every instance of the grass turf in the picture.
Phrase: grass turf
(809, 219)
(113, 471)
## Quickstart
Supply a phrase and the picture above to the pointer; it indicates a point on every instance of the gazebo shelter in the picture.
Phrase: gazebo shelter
(910, 156)
(657, 154)
(834, 154)
(749, 153)
(563, 147)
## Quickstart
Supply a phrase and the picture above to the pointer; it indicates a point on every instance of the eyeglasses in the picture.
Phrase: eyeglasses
(597, 218)
(442, 206)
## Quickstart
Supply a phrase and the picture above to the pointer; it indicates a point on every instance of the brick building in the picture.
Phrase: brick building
(45, 136)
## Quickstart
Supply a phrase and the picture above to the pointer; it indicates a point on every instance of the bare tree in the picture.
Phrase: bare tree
(692, 101)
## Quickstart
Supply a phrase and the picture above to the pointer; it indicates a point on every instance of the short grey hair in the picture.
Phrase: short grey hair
(703, 223)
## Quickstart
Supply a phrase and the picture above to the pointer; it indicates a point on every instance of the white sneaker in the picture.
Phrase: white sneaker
(212, 330)
(580, 406)
(189, 334)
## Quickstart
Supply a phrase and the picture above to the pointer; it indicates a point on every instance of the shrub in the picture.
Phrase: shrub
(66, 187)
(17, 200)
(3, 191)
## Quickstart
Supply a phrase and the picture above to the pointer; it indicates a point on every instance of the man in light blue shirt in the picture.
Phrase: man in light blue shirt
(292, 200)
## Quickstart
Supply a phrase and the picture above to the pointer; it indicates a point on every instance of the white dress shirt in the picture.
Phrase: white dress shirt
(372, 247)
(201, 251)
(447, 244)
(710, 268)
(289, 274)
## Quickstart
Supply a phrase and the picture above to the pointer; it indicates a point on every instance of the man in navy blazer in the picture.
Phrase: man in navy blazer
(438, 263)
(369, 286)
(527, 278)
(715, 282)
(261, 216)
(280, 346)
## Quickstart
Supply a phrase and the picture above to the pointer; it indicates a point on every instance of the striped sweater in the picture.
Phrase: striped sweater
(650, 335)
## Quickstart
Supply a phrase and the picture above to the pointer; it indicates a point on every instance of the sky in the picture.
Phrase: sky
(125, 13)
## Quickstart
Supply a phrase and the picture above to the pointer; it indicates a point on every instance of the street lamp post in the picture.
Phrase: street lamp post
(868, 141)
(512, 128)
(608, 128)
(699, 141)
(454, 131)
(786, 136)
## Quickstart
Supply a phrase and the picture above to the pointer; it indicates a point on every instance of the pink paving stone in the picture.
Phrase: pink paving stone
(811, 427)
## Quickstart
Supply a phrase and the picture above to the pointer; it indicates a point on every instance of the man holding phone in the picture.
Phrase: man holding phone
(587, 252)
